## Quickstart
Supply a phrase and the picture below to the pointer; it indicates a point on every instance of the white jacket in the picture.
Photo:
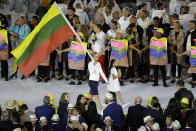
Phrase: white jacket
(95, 72)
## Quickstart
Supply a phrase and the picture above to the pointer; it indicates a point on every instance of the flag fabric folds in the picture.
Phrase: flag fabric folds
(51, 32)
(3, 39)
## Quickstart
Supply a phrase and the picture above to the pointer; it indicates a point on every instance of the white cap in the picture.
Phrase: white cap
(142, 128)
(74, 118)
(85, 126)
(71, 106)
(17, 129)
(43, 118)
(55, 117)
(107, 118)
(147, 118)
(98, 129)
(155, 127)
(176, 124)
(33, 117)
(109, 96)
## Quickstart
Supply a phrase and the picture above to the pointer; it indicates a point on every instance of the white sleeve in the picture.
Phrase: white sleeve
(90, 68)
(102, 74)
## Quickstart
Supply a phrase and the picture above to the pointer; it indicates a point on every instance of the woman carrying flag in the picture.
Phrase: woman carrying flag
(158, 55)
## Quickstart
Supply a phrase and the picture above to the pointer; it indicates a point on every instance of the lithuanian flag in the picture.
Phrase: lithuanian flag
(51, 32)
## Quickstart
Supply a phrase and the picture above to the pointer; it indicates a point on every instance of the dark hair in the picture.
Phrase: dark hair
(24, 107)
(111, 65)
(156, 105)
(71, 8)
(35, 17)
(156, 18)
(154, 100)
(114, 22)
(62, 98)
(78, 100)
(109, 6)
(77, 108)
(99, 26)
(92, 108)
(159, 5)
(130, 28)
(180, 82)
(145, 12)
(194, 105)
(116, 128)
(28, 125)
(170, 116)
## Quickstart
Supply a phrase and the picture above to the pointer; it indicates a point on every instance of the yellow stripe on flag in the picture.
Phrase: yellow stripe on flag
(23, 46)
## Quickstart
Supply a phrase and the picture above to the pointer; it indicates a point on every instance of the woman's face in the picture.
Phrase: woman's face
(96, 57)
(83, 100)
(67, 97)
(134, 29)
(101, 18)
(126, 13)
(176, 27)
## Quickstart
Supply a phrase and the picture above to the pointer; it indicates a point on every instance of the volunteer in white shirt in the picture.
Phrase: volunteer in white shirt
(144, 21)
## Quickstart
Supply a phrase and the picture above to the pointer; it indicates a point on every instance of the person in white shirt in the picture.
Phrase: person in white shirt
(124, 21)
(98, 41)
(64, 6)
(160, 12)
(141, 7)
(107, 14)
(95, 71)
(144, 21)
(92, 8)
(83, 2)
(108, 123)
(115, 16)
(111, 34)
(185, 17)
(148, 121)
(84, 20)
(192, 6)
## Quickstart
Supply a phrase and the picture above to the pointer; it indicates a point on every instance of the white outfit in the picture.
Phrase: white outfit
(108, 19)
(95, 71)
(99, 44)
(144, 23)
(111, 33)
(83, 17)
(113, 85)
(83, 4)
(159, 13)
(184, 20)
(123, 24)
(63, 8)
(172, 6)
(192, 7)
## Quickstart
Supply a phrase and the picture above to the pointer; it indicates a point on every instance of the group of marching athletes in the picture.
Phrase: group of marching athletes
(128, 46)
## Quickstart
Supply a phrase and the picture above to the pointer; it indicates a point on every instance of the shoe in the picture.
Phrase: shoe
(155, 84)
(53, 75)
(121, 83)
(193, 85)
(23, 77)
(6, 79)
(190, 82)
(152, 79)
(72, 83)
(131, 80)
(79, 83)
(66, 77)
(164, 84)
(60, 77)
(173, 80)
(13, 75)
(147, 79)
(39, 79)
(141, 79)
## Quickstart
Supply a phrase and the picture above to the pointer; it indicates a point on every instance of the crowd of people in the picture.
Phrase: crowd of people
(124, 44)
(141, 42)
(179, 115)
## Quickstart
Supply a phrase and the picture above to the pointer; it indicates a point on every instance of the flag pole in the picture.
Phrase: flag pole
(74, 32)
